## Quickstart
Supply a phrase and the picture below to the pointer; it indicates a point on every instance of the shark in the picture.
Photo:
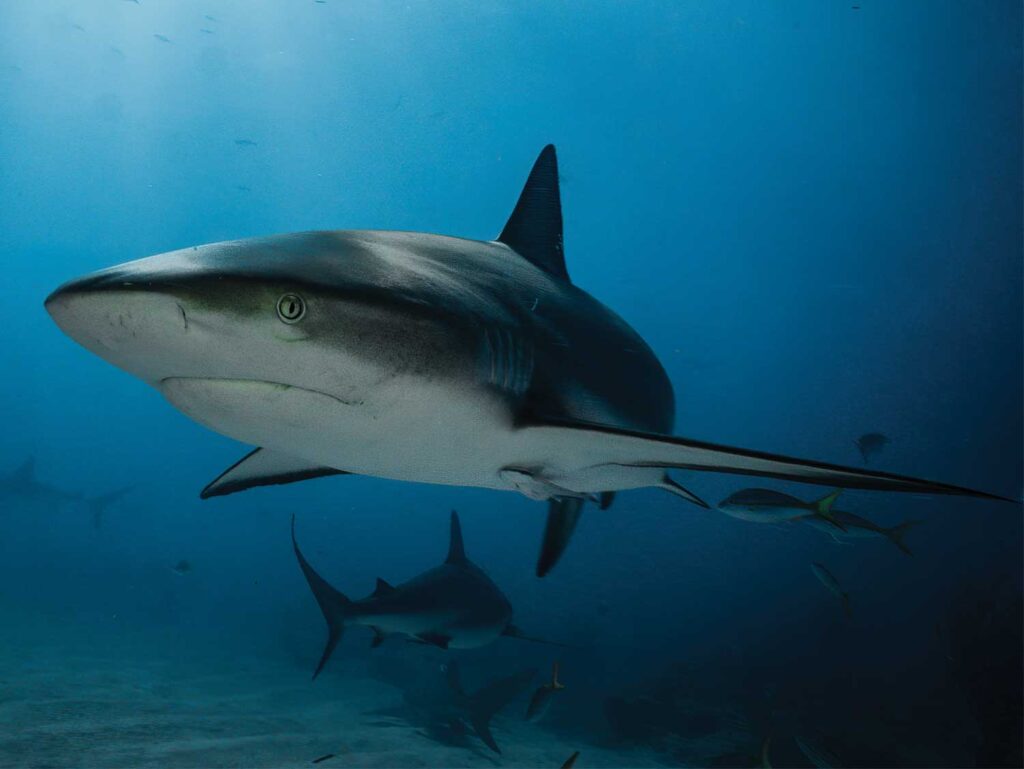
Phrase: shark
(452, 606)
(23, 483)
(416, 357)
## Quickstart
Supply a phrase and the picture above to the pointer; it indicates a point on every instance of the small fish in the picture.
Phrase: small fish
(207, 31)
(245, 143)
(856, 527)
(870, 444)
(133, 1)
(825, 577)
(242, 188)
(114, 49)
(322, 758)
(541, 700)
(570, 762)
(208, 17)
(162, 38)
(767, 506)
(79, 27)
(182, 567)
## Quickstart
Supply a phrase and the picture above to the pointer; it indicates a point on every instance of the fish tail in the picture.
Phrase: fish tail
(333, 603)
(897, 533)
(823, 508)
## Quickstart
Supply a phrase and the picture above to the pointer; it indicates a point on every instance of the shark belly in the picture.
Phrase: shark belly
(406, 429)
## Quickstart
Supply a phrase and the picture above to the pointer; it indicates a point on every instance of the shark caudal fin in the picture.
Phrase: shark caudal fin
(333, 604)
(587, 445)
(823, 508)
(482, 706)
(97, 506)
(897, 533)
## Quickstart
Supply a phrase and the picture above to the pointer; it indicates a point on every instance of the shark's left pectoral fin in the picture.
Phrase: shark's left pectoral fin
(264, 468)
(593, 445)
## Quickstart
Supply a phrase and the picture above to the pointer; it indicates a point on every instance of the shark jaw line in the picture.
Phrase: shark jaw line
(282, 386)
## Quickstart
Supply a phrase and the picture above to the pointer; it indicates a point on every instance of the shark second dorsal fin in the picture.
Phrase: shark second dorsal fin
(456, 552)
(534, 231)
(383, 588)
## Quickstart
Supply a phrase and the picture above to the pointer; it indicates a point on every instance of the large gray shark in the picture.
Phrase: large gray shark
(453, 606)
(415, 357)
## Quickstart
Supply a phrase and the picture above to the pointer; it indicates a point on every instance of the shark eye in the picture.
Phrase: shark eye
(291, 308)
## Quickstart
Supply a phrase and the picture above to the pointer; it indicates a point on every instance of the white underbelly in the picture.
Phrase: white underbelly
(427, 432)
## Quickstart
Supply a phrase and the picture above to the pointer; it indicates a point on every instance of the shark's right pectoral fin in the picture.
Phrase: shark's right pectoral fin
(591, 445)
(261, 467)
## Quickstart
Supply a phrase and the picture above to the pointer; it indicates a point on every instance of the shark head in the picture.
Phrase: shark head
(295, 322)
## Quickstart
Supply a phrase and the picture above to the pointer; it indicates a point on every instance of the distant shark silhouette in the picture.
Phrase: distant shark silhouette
(415, 357)
(454, 605)
(22, 482)
(98, 505)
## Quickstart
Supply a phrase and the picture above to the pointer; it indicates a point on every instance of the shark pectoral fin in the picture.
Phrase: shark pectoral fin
(570, 762)
(261, 467)
(563, 515)
(605, 499)
(435, 639)
(590, 445)
(672, 487)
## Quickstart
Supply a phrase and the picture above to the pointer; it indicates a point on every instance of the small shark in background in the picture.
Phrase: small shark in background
(454, 605)
(182, 568)
(22, 482)
(871, 444)
(832, 584)
(98, 505)
(854, 527)
(245, 143)
(540, 702)
(415, 357)
(162, 38)
(480, 707)
(767, 506)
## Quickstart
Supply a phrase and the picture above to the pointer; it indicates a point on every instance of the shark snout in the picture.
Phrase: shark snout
(125, 320)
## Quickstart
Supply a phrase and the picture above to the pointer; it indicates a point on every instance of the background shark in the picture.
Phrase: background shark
(454, 605)
(22, 482)
(416, 357)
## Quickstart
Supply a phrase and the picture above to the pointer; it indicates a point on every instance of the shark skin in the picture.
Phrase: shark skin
(414, 357)
(452, 606)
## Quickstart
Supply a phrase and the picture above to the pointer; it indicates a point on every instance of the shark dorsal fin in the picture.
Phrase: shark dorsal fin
(383, 588)
(456, 552)
(534, 230)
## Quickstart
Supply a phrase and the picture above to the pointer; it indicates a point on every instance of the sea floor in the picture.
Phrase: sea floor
(126, 700)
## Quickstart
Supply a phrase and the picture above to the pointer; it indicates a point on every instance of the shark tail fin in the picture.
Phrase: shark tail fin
(483, 705)
(334, 604)
(897, 533)
(823, 508)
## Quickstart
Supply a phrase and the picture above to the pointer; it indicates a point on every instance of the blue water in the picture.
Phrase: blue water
(812, 213)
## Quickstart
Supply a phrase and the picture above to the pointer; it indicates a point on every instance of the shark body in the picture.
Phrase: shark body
(454, 605)
(414, 357)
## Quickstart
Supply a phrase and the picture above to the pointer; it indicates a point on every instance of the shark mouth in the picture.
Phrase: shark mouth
(253, 411)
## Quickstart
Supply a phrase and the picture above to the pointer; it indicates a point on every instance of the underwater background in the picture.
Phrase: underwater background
(810, 210)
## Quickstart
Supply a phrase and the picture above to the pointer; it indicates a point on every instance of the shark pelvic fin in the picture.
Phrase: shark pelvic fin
(456, 550)
(563, 515)
(534, 231)
(261, 467)
(333, 604)
(594, 445)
